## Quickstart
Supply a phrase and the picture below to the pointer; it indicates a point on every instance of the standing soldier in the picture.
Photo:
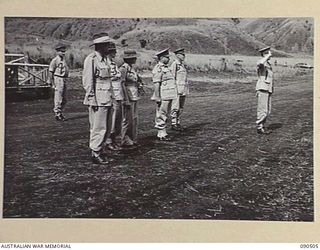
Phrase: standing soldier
(99, 96)
(132, 82)
(58, 73)
(116, 83)
(264, 89)
(164, 92)
(179, 71)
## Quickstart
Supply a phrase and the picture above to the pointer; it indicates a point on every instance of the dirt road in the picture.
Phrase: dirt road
(219, 168)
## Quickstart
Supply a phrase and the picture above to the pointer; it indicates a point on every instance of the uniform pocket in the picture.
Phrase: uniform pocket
(168, 93)
(117, 90)
(168, 89)
(103, 94)
(103, 71)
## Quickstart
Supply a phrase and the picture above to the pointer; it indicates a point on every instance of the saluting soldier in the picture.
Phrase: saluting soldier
(132, 83)
(178, 69)
(264, 89)
(59, 71)
(116, 83)
(164, 92)
(99, 95)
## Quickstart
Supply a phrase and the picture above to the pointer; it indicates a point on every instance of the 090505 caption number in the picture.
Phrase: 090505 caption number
(309, 246)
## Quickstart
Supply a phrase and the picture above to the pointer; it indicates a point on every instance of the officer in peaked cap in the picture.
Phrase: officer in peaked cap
(165, 92)
(179, 71)
(264, 89)
(179, 51)
(163, 53)
(264, 49)
(59, 71)
(99, 96)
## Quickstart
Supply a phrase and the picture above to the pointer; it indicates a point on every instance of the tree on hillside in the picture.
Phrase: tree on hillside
(124, 42)
(143, 43)
(236, 20)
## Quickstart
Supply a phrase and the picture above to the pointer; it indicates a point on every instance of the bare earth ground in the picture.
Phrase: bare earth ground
(219, 168)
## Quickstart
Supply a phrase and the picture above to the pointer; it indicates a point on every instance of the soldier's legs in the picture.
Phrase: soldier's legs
(263, 108)
(182, 101)
(64, 97)
(58, 94)
(269, 106)
(135, 121)
(268, 109)
(116, 121)
(161, 117)
(129, 124)
(126, 130)
(175, 110)
(98, 128)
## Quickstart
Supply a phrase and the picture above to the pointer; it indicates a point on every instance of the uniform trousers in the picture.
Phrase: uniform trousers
(116, 121)
(60, 97)
(130, 122)
(99, 123)
(263, 108)
(177, 108)
(161, 117)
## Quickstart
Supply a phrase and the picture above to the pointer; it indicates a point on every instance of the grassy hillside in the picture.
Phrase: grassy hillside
(286, 34)
(67, 28)
(222, 36)
(202, 36)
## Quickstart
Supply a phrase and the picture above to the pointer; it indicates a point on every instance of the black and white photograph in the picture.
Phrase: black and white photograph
(159, 118)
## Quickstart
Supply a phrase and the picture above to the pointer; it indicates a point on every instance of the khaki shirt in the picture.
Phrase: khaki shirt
(162, 74)
(265, 76)
(179, 71)
(59, 67)
(116, 80)
(96, 80)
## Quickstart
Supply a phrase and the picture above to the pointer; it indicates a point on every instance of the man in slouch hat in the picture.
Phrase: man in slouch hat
(99, 96)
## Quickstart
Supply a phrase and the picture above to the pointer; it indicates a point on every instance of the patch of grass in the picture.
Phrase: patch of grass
(43, 51)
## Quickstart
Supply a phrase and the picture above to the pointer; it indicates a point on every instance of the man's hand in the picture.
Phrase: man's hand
(95, 108)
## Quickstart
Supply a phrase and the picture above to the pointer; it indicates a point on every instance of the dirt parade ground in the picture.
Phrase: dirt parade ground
(218, 168)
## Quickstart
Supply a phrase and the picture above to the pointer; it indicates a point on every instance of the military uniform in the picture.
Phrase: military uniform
(179, 71)
(60, 71)
(118, 98)
(166, 92)
(131, 78)
(99, 98)
(264, 90)
(116, 120)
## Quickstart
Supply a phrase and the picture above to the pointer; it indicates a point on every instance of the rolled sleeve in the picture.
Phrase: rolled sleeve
(53, 65)
(156, 75)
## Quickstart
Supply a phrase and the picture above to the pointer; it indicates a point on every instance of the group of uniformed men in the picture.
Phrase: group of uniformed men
(112, 93)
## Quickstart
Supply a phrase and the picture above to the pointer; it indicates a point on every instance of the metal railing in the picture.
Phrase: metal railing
(19, 73)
